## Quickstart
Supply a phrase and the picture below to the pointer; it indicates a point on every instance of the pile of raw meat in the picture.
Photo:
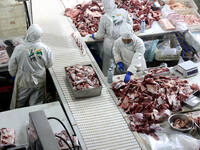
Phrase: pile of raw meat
(177, 5)
(190, 19)
(86, 16)
(83, 77)
(181, 123)
(150, 100)
(139, 10)
(7, 137)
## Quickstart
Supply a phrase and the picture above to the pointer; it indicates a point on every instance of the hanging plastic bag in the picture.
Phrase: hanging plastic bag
(150, 50)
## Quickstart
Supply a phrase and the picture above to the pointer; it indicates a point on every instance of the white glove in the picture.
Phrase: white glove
(88, 38)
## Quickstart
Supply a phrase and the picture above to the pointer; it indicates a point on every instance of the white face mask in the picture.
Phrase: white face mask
(129, 44)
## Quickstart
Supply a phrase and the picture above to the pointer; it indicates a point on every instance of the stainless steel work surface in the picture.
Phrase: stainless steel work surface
(97, 121)
(18, 119)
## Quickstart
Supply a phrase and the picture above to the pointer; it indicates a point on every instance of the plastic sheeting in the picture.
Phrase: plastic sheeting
(172, 140)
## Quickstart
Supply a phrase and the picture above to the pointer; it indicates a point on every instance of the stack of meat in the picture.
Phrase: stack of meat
(86, 16)
(190, 19)
(83, 77)
(150, 100)
(7, 137)
(140, 10)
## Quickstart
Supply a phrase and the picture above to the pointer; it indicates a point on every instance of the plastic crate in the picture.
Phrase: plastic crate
(173, 44)
(188, 3)
(13, 21)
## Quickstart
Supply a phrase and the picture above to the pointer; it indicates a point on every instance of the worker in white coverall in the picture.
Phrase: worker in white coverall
(108, 29)
(128, 51)
(28, 64)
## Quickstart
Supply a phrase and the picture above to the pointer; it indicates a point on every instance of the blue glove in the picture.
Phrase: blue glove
(121, 66)
(127, 77)
(93, 36)
(13, 78)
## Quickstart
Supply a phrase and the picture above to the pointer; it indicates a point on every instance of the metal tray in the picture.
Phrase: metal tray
(85, 92)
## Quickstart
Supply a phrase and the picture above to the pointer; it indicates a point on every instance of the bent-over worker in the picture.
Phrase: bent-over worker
(28, 64)
(128, 51)
(108, 29)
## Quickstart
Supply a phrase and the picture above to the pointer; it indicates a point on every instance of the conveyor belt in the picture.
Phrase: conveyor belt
(97, 121)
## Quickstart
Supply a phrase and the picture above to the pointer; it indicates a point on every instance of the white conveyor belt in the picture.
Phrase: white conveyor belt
(97, 121)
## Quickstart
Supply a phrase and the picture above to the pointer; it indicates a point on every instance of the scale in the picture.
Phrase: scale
(187, 69)
(193, 100)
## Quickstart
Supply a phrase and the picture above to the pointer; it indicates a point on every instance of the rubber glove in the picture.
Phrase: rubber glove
(127, 77)
(121, 66)
(93, 36)
(13, 78)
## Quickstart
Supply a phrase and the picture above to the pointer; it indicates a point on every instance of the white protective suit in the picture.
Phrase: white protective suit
(131, 56)
(28, 64)
(109, 27)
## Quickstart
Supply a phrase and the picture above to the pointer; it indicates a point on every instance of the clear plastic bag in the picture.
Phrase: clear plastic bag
(150, 47)
(166, 11)
(172, 140)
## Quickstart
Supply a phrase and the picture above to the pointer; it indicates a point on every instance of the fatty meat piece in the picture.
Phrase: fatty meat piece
(166, 24)
(151, 100)
(7, 137)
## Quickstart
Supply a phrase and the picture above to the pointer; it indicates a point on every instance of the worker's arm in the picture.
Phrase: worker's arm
(129, 19)
(138, 57)
(116, 51)
(49, 60)
(12, 64)
(101, 29)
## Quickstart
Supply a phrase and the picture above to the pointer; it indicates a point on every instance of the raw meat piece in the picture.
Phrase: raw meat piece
(197, 121)
(3, 57)
(181, 124)
(79, 44)
(150, 100)
(166, 24)
(7, 137)
(83, 77)
(65, 136)
(158, 70)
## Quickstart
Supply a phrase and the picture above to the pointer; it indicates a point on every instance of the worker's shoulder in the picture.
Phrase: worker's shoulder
(121, 10)
(138, 39)
(43, 46)
(118, 41)
(19, 47)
